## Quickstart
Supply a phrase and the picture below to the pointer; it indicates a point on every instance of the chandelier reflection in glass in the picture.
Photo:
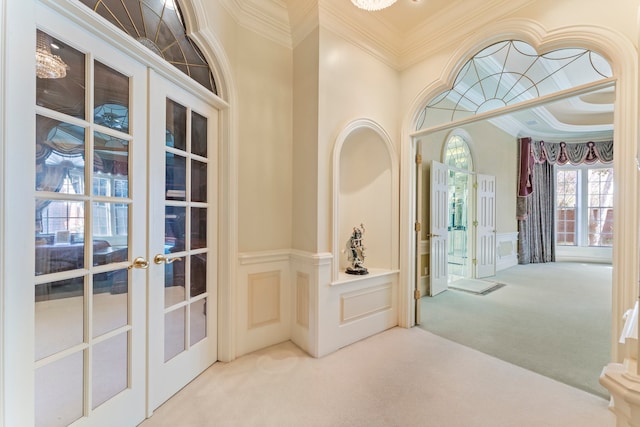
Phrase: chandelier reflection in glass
(373, 4)
(48, 65)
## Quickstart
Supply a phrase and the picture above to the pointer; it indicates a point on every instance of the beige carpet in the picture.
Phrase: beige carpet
(401, 377)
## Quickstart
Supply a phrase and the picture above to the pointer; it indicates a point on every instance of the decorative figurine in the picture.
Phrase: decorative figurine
(355, 252)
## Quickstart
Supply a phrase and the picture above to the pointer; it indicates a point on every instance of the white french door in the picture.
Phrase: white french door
(125, 274)
(89, 303)
(485, 265)
(438, 233)
(182, 238)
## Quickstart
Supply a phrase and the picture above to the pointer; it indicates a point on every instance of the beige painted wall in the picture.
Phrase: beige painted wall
(353, 85)
(305, 143)
(262, 72)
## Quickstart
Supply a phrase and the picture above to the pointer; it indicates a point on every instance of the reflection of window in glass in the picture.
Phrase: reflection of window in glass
(121, 189)
(101, 186)
(61, 215)
(101, 220)
(584, 205)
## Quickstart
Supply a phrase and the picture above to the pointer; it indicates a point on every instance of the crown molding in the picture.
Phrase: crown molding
(303, 17)
(368, 32)
(269, 18)
(457, 23)
(288, 22)
(402, 48)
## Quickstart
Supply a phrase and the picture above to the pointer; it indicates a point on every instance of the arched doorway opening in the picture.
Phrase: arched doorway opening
(512, 90)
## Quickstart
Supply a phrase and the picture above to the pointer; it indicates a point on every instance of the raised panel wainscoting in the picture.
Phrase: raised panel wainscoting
(290, 296)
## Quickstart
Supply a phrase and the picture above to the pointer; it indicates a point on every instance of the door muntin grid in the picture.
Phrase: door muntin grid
(185, 232)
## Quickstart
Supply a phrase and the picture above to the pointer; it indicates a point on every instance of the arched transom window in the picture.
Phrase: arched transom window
(158, 25)
(508, 73)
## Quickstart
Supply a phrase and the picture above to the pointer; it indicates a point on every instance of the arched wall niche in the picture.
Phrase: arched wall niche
(365, 191)
(622, 56)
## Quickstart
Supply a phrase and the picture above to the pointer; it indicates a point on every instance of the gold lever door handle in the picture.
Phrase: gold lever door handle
(159, 259)
(139, 262)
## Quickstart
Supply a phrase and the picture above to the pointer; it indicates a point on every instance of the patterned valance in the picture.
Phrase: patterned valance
(561, 153)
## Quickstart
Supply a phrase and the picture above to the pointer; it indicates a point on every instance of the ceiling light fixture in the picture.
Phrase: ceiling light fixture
(48, 65)
(373, 4)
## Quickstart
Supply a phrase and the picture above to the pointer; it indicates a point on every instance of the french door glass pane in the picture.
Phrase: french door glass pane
(198, 319)
(111, 159)
(59, 391)
(111, 98)
(59, 316)
(66, 95)
(198, 181)
(110, 238)
(176, 179)
(59, 236)
(198, 134)
(176, 125)
(60, 153)
(174, 229)
(174, 290)
(174, 333)
(110, 301)
(110, 368)
(198, 228)
(198, 274)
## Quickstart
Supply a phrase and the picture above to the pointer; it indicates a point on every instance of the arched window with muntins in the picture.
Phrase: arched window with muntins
(457, 154)
(508, 73)
(158, 25)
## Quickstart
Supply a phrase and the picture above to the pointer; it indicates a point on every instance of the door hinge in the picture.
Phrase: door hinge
(416, 294)
(475, 185)
(475, 223)
(418, 159)
(417, 227)
(475, 261)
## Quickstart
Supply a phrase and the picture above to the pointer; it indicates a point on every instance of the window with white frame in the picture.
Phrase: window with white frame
(584, 206)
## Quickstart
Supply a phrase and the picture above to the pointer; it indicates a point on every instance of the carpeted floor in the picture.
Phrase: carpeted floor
(401, 377)
(554, 319)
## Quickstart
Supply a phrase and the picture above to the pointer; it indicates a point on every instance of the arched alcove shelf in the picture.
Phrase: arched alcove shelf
(365, 191)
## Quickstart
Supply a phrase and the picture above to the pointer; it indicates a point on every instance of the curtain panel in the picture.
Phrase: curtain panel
(561, 153)
(536, 190)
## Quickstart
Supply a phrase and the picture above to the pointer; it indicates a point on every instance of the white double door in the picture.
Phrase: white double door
(484, 227)
(125, 280)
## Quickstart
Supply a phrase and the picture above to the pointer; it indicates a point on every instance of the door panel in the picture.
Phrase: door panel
(182, 237)
(486, 226)
(90, 207)
(438, 222)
